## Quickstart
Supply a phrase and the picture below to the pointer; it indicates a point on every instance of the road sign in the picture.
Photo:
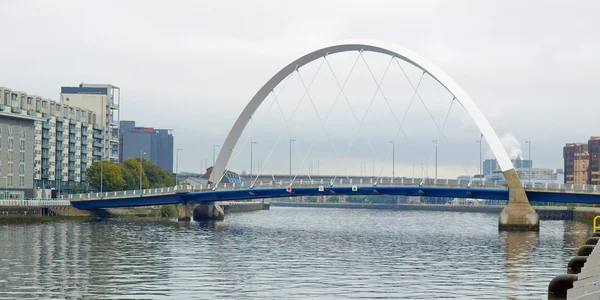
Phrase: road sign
(354, 188)
(288, 189)
(321, 188)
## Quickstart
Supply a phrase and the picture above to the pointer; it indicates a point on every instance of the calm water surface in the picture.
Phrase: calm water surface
(287, 253)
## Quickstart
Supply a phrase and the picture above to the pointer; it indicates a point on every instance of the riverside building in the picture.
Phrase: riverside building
(65, 140)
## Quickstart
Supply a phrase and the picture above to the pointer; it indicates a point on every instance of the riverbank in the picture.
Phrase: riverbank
(28, 214)
(585, 215)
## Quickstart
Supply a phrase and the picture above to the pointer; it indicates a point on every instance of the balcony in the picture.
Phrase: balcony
(84, 160)
(45, 145)
(84, 151)
(59, 138)
(46, 125)
(97, 135)
(97, 145)
(84, 141)
(71, 139)
(84, 133)
(98, 127)
(72, 149)
(60, 147)
(59, 128)
(45, 176)
(97, 153)
(46, 166)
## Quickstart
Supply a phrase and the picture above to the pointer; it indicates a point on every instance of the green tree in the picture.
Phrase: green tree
(311, 199)
(333, 199)
(157, 177)
(130, 169)
(106, 174)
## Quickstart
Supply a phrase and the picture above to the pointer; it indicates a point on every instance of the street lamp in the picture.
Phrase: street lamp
(480, 162)
(436, 158)
(177, 165)
(251, 143)
(530, 161)
(291, 140)
(142, 153)
(393, 159)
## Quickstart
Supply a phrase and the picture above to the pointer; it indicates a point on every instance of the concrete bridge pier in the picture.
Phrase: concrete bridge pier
(208, 211)
(184, 212)
(518, 215)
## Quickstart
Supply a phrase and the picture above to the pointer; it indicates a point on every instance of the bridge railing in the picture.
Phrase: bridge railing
(35, 203)
(132, 193)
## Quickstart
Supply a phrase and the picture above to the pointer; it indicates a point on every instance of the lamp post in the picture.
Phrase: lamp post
(251, 143)
(393, 159)
(291, 140)
(530, 161)
(436, 158)
(480, 162)
(6, 187)
(141, 167)
(177, 165)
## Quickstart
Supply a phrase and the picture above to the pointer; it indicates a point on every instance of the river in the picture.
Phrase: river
(286, 253)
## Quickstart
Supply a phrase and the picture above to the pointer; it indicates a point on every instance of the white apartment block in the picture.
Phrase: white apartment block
(67, 138)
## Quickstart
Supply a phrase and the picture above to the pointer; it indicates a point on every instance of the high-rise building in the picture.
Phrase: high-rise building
(490, 165)
(66, 139)
(576, 162)
(594, 160)
(104, 100)
(157, 144)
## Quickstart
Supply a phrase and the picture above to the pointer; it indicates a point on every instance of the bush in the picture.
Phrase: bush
(169, 211)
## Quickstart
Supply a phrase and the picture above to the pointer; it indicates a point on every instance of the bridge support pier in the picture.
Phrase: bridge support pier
(209, 211)
(518, 215)
(184, 212)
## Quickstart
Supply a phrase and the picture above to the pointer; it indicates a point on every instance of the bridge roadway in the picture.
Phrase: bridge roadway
(557, 193)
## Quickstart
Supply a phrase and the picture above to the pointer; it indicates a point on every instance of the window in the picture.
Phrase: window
(10, 166)
(83, 113)
(10, 180)
(65, 111)
(22, 180)
(21, 169)
(38, 104)
(23, 132)
(52, 108)
(22, 156)
(29, 100)
(10, 143)
(10, 130)
(70, 110)
(22, 144)
(45, 104)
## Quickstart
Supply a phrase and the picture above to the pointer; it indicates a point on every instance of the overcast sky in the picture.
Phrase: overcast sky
(531, 67)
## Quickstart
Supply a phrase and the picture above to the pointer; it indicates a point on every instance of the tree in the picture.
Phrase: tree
(311, 199)
(130, 168)
(107, 175)
(333, 199)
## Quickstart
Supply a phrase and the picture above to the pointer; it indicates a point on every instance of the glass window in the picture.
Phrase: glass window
(45, 104)
(21, 180)
(21, 169)
(38, 104)
(23, 132)
(29, 100)
(10, 143)
(10, 180)
(70, 110)
(22, 156)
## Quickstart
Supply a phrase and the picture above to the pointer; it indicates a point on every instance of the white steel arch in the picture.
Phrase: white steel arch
(362, 45)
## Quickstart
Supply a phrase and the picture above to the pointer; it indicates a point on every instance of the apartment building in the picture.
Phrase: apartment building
(594, 160)
(576, 163)
(67, 139)
(156, 143)
(104, 100)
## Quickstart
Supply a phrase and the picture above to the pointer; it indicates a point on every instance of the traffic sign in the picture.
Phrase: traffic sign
(288, 189)
(354, 188)
(321, 188)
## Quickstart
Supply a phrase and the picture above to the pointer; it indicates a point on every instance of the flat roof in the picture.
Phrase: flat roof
(19, 116)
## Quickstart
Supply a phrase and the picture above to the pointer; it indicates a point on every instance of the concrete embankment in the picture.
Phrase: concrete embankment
(231, 207)
(546, 213)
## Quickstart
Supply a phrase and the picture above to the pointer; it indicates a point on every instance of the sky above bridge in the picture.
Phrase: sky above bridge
(531, 67)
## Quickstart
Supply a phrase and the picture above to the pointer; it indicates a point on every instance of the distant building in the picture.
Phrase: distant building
(491, 165)
(594, 160)
(156, 143)
(576, 163)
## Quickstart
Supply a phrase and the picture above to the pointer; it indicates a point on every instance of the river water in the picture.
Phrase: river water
(286, 253)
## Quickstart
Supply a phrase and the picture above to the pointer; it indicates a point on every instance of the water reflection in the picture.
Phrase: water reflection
(286, 254)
